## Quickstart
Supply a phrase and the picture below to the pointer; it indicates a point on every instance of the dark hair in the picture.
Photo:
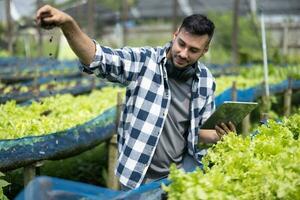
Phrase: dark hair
(199, 25)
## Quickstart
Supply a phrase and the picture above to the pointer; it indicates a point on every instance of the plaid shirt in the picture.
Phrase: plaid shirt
(148, 97)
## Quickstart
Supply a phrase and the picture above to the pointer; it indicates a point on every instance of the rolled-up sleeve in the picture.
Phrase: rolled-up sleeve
(90, 68)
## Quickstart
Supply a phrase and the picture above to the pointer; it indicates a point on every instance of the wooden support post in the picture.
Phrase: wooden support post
(264, 117)
(265, 107)
(234, 91)
(246, 121)
(113, 181)
(124, 18)
(30, 172)
(90, 18)
(40, 50)
(175, 15)
(285, 38)
(235, 33)
(265, 101)
(9, 28)
(246, 125)
(287, 99)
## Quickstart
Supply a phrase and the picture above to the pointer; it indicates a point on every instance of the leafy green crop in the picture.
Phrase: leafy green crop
(53, 114)
(250, 77)
(3, 184)
(264, 166)
(293, 123)
(51, 86)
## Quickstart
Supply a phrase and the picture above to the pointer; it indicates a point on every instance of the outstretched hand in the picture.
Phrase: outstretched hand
(225, 128)
(49, 17)
(83, 46)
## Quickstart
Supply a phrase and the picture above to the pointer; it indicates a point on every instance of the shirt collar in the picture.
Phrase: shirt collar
(162, 58)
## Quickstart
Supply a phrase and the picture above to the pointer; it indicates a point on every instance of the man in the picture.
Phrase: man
(169, 95)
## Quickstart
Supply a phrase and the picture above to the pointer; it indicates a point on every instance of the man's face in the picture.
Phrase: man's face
(187, 48)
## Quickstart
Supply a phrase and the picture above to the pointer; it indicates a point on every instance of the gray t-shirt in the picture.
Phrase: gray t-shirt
(173, 140)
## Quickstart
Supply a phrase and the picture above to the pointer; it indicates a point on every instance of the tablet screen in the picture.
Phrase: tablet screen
(233, 111)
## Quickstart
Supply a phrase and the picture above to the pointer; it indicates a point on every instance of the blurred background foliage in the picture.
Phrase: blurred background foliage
(108, 16)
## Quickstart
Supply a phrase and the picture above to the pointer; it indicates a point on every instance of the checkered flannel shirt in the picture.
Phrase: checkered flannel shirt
(148, 97)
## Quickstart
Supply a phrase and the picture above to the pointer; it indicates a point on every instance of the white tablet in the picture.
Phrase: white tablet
(233, 111)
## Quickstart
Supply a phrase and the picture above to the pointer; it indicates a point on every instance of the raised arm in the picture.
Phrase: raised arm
(49, 17)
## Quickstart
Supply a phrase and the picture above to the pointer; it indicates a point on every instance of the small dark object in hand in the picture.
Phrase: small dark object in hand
(47, 26)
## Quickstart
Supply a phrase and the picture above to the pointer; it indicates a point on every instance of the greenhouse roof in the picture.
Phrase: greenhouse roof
(164, 9)
(158, 8)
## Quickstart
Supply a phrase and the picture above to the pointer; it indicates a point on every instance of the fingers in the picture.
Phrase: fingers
(224, 129)
(44, 11)
(232, 127)
(220, 132)
(47, 17)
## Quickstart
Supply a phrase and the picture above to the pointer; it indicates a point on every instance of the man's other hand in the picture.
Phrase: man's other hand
(224, 128)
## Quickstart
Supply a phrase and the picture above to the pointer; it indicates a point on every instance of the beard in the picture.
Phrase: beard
(179, 62)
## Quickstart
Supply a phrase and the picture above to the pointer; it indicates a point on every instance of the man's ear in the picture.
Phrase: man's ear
(205, 50)
(206, 47)
(175, 33)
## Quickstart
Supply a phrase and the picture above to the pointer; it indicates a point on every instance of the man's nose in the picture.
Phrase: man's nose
(184, 53)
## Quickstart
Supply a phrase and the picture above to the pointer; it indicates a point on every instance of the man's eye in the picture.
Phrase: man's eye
(181, 44)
